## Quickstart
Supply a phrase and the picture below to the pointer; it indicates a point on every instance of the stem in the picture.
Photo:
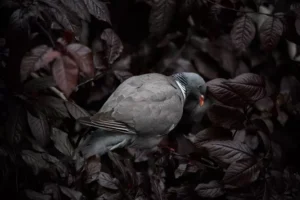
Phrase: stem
(46, 33)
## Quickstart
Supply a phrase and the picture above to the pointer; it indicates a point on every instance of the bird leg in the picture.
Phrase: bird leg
(121, 144)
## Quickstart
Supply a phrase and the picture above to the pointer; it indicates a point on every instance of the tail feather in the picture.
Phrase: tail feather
(100, 142)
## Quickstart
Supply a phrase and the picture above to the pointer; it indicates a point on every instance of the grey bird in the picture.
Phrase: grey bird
(141, 111)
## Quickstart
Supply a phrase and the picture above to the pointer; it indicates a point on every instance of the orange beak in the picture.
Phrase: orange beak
(201, 100)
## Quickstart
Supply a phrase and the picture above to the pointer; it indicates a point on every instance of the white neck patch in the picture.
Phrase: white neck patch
(182, 89)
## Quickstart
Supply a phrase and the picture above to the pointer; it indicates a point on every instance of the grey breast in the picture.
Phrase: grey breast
(148, 104)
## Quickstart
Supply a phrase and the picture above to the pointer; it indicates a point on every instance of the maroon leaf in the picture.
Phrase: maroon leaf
(161, 16)
(228, 151)
(243, 32)
(270, 32)
(98, 9)
(114, 46)
(65, 73)
(213, 189)
(36, 195)
(251, 87)
(105, 180)
(75, 110)
(36, 59)
(226, 116)
(61, 142)
(242, 173)
(39, 127)
(219, 90)
(83, 56)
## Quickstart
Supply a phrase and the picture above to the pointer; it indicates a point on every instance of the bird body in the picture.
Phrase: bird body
(140, 112)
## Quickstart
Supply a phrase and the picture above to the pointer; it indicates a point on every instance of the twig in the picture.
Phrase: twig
(89, 80)
(53, 89)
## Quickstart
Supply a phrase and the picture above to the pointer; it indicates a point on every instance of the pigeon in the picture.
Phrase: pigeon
(141, 111)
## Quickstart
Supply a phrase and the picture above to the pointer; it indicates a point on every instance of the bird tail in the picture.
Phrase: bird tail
(100, 142)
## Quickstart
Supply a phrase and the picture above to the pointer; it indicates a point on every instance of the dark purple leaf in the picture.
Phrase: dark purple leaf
(161, 15)
(180, 170)
(228, 151)
(116, 159)
(15, 124)
(226, 116)
(35, 161)
(75, 110)
(138, 154)
(109, 196)
(105, 180)
(98, 9)
(71, 193)
(289, 87)
(243, 32)
(53, 190)
(114, 46)
(39, 127)
(61, 142)
(242, 173)
(219, 90)
(206, 67)
(65, 73)
(264, 105)
(187, 6)
(33, 195)
(249, 86)
(83, 56)
(77, 7)
(270, 32)
(38, 84)
(93, 170)
(53, 107)
(213, 189)
(55, 165)
(19, 19)
(36, 59)
(158, 187)
(297, 26)
(208, 134)
(62, 18)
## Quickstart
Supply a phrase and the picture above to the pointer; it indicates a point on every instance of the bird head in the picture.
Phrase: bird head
(194, 85)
